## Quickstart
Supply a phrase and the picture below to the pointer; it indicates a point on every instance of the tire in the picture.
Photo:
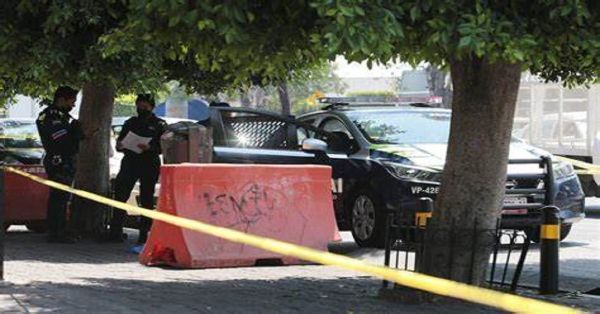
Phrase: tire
(367, 220)
(534, 233)
(565, 230)
(37, 227)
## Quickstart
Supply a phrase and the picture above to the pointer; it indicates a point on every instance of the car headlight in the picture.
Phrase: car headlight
(403, 171)
(562, 170)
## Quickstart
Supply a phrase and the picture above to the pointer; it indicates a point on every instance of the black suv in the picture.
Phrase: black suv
(383, 157)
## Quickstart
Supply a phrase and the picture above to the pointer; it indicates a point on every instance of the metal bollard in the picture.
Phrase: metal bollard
(388, 244)
(424, 212)
(549, 246)
(2, 224)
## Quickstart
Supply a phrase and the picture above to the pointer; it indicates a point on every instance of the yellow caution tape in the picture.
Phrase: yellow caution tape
(590, 172)
(439, 286)
(589, 169)
(21, 137)
(579, 163)
(551, 232)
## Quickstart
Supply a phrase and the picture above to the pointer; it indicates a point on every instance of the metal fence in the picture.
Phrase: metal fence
(405, 248)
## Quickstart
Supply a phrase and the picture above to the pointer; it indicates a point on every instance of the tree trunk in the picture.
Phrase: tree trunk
(460, 235)
(436, 79)
(88, 218)
(284, 98)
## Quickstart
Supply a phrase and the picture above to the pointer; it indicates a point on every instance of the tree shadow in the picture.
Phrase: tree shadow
(574, 274)
(287, 295)
(27, 246)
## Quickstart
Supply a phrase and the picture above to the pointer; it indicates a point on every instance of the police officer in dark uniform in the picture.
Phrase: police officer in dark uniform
(60, 134)
(143, 166)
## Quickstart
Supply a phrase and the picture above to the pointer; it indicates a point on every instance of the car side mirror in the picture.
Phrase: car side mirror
(313, 144)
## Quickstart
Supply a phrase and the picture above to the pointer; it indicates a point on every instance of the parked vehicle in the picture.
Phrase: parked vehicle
(381, 157)
(20, 147)
(562, 121)
(19, 142)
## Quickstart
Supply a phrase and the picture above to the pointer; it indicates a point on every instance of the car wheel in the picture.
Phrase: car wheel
(565, 230)
(367, 221)
(534, 233)
(37, 227)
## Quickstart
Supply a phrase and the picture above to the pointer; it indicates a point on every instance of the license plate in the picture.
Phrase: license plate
(514, 212)
(515, 201)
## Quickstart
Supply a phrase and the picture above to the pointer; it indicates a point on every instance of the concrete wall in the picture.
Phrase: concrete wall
(27, 107)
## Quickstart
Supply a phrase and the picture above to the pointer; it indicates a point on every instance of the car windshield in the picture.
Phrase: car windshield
(403, 127)
(21, 135)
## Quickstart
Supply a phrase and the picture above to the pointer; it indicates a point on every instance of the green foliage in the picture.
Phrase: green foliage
(305, 87)
(44, 44)
(235, 42)
(121, 110)
(555, 39)
(210, 45)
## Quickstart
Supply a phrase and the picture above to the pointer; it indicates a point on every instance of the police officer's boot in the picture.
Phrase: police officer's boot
(116, 235)
(143, 237)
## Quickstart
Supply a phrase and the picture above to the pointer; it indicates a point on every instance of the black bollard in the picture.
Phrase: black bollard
(1, 223)
(549, 246)
(424, 212)
(388, 244)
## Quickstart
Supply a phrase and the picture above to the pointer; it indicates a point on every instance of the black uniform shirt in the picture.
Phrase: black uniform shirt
(60, 133)
(151, 126)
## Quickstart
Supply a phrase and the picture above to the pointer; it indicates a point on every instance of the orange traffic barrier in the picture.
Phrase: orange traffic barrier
(290, 203)
(25, 200)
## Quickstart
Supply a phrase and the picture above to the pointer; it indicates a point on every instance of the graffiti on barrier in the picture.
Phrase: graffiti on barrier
(252, 204)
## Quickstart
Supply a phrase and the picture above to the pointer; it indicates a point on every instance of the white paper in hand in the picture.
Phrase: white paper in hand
(132, 140)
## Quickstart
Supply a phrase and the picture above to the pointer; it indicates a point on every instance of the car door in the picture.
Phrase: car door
(257, 137)
(350, 169)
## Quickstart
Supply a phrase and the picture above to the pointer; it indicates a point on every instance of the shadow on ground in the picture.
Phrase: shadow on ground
(27, 246)
(289, 295)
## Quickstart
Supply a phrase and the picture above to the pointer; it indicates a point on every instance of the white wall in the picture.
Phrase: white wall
(23, 107)
(372, 84)
(27, 107)
(359, 78)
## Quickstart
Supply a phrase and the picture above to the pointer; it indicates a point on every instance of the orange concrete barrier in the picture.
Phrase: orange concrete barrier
(291, 203)
(25, 200)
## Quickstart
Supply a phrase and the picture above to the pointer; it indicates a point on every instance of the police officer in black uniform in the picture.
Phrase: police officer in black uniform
(60, 134)
(143, 166)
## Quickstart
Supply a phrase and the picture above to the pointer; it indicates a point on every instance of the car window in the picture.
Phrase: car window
(402, 127)
(334, 125)
(20, 135)
(341, 140)
(254, 130)
(304, 133)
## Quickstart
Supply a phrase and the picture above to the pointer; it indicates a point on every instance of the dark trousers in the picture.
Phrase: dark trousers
(57, 201)
(133, 168)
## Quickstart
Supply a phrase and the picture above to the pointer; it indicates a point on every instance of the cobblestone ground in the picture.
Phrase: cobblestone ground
(91, 277)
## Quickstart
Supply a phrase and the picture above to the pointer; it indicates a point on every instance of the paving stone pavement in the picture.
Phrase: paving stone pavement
(99, 278)
(92, 277)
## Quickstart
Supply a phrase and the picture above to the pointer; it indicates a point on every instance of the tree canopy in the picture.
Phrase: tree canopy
(207, 44)
(552, 38)
(52, 43)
